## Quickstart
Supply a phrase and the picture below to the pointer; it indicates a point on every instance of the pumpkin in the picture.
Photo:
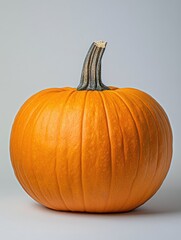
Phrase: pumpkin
(91, 149)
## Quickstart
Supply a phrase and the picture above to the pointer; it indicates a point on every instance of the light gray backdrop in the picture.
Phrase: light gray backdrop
(43, 44)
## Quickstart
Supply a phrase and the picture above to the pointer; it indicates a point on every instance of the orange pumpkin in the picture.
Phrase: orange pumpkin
(91, 149)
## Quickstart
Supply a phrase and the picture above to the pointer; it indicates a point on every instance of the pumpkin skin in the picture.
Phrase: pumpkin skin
(91, 151)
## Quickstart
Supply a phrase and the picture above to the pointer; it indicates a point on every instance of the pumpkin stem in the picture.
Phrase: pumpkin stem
(91, 71)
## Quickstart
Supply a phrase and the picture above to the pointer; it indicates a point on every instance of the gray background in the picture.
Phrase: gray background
(43, 44)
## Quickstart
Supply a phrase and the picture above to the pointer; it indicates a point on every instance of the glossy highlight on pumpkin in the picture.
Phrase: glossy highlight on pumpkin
(91, 150)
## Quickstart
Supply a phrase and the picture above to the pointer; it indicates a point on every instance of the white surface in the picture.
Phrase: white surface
(159, 218)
